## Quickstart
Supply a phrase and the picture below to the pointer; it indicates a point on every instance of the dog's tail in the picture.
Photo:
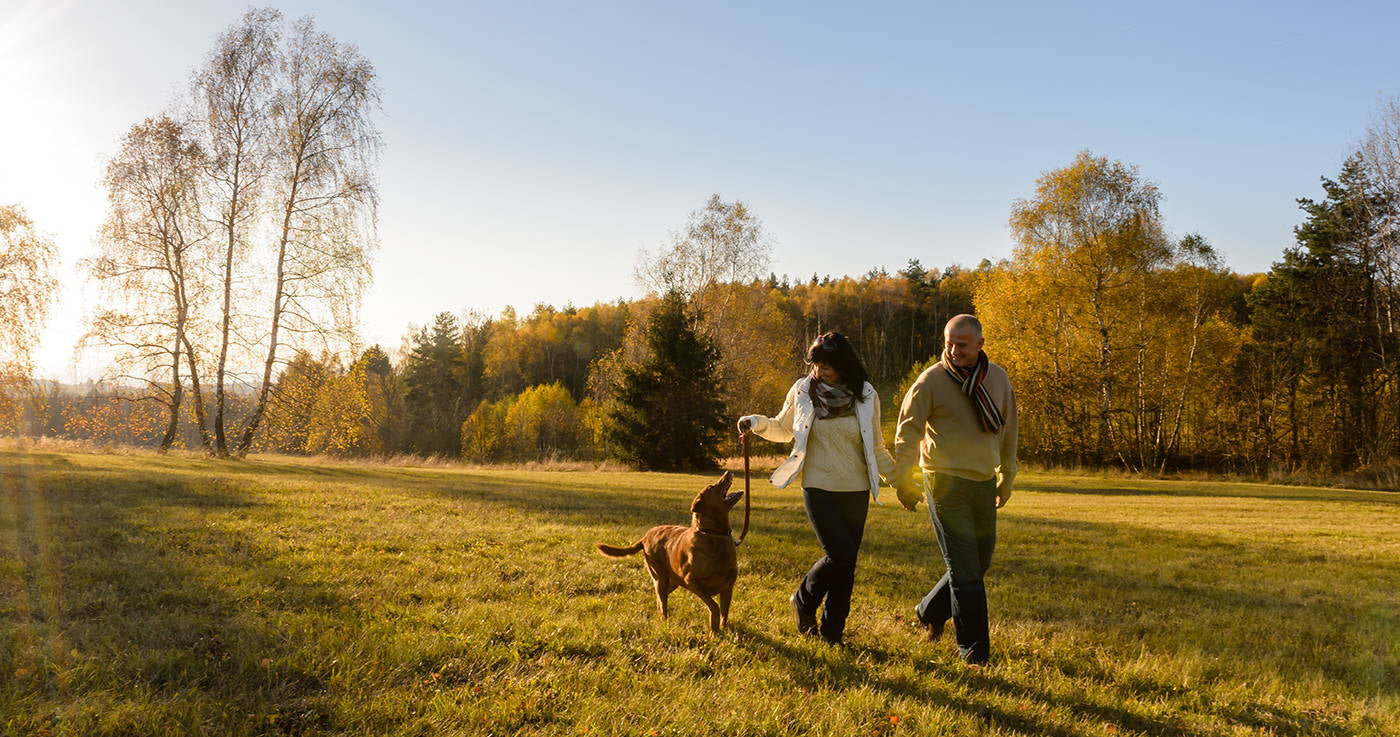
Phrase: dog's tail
(616, 552)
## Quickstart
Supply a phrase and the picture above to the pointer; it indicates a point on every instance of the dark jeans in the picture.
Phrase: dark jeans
(965, 519)
(838, 517)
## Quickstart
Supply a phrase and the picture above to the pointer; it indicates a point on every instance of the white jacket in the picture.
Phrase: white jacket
(794, 423)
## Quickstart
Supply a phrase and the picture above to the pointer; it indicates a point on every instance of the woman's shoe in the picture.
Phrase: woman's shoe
(931, 630)
(806, 621)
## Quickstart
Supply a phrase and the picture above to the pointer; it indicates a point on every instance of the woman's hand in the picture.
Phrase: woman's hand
(1003, 495)
(744, 424)
(907, 496)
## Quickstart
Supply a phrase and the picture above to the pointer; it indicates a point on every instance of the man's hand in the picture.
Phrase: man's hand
(907, 495)
(1003, 496)
(744, 425)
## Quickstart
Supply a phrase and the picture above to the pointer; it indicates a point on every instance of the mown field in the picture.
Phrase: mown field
(149, 595)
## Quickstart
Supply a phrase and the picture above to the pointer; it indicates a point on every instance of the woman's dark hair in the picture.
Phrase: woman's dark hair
(834, 350)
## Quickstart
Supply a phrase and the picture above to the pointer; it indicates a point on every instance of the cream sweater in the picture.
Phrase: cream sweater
(939, 426)
(794, 424)
(835, 458)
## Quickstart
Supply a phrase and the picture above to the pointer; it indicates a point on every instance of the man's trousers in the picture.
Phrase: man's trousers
(964, 517)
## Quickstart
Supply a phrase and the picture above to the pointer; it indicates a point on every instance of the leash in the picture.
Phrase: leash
(744, 436)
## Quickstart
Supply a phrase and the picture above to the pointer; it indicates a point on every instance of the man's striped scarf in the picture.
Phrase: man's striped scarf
(970, 379)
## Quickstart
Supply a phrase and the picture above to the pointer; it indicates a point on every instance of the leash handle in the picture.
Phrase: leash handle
(744, 437)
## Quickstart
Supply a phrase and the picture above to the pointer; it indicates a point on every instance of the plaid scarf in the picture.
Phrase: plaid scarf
(970, 379)
(830, 400)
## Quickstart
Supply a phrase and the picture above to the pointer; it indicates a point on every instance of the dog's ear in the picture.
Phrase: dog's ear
(695, 505)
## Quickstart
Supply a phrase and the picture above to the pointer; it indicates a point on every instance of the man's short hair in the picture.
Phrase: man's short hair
(958, 322)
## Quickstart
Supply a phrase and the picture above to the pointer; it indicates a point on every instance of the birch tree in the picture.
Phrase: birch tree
(1096, 226)
(721, 242)
(324, 149)
(712, 264)
(1380, 157)
(27, 291)
(234, 91)
(149, 266)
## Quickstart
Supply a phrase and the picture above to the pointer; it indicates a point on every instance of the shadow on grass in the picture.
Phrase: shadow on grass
(1093, 487)
(125, 604)
(936, 687)
(1192, 595)
(939, 684)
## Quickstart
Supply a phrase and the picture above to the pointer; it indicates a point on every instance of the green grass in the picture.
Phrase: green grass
(146, 595)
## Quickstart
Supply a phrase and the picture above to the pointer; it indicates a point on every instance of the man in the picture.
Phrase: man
(959, 420)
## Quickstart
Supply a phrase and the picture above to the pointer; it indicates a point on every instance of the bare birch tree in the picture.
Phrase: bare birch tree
(325, 147)
(234, 91)
(722, 242)
(149, 266)
(1380, 157)
(711, 263)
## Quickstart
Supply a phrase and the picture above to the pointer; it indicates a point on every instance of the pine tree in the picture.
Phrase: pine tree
(1319, 315)
(432, 376)
(667, 413)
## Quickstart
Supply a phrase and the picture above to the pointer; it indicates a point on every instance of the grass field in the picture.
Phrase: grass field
(145, 595)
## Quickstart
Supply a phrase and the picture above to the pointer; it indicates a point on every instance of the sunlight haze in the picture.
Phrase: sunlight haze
(531, 150)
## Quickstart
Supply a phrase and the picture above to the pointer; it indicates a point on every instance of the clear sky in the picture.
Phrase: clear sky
(531, 148)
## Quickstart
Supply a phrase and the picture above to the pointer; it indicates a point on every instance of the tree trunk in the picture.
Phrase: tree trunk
(220, 399)
(177, 393)
(1185, 384)
(279, 287)
(1105, 378)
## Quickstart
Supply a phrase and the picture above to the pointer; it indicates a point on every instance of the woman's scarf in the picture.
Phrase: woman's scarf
(830, 400)
(970, 379)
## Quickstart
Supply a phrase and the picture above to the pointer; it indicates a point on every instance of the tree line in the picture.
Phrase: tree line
(1129, 347)
(515, 387)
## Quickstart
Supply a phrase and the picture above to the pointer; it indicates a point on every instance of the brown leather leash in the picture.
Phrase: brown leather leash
(744, 436)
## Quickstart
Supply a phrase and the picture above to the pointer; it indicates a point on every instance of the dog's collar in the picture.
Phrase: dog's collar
(704, 531)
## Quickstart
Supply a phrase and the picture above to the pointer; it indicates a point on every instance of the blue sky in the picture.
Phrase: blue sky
(531, 149)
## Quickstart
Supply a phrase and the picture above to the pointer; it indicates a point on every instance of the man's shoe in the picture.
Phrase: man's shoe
(806, 621)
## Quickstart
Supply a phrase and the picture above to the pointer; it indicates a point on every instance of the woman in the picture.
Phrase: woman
(832, 417)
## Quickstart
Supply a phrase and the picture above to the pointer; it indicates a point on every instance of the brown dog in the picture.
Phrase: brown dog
(702, 557)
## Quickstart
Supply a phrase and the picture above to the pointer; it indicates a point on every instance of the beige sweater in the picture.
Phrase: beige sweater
(939, 424)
